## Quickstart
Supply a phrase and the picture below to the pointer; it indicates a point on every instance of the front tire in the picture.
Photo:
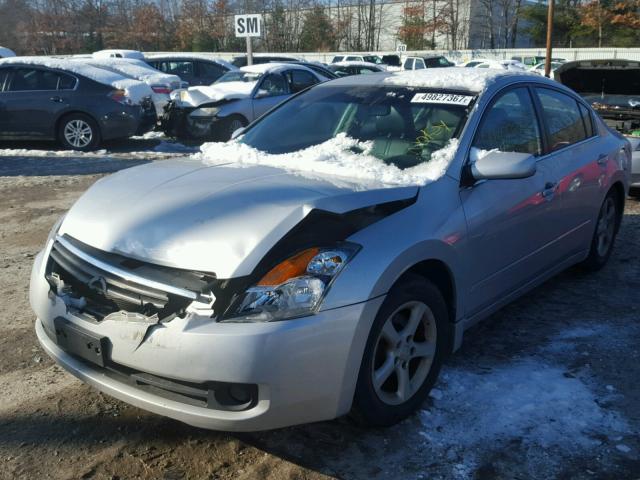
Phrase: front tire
(405, 349)
(78, 132)
(230, 124)
(605, 234)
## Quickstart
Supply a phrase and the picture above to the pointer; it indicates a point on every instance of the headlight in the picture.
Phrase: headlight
(294, 287)
(205, 112)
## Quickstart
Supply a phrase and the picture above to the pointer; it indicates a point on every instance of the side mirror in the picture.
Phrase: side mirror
(261, 94)
(504, 165)
(237, 133)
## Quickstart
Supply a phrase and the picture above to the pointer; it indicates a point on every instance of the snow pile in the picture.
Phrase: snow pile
(340, 156)
(135, 89)
(530, 401)
(450, 78)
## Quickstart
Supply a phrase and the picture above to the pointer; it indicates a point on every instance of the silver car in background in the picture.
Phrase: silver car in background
(329, 259)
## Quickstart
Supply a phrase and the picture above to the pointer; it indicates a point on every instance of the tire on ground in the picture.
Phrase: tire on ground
(84, 123)
(599, 256)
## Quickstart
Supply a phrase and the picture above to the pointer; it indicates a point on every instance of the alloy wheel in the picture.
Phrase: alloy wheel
(78, 133)
(404, 353)
(606, 226)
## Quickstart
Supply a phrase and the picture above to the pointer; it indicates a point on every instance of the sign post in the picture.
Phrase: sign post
(248, 26)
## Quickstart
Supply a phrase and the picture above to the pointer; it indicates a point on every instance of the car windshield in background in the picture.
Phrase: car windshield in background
(405, 125)
(238, 76)
(372, 59)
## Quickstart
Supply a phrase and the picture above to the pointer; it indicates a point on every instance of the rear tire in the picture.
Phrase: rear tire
(605, 233)
(407, 344)
(78, 131)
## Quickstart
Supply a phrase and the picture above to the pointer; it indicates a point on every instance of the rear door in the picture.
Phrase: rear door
(272, 90)
(34, 99)
(508, 228)
(580, 162)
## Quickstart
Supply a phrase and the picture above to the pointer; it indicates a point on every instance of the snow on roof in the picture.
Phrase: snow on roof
(118, 53)
(354, 63)
(335, 158)
(190, 56)
(133, 68)
(450, 78)
(273, 67)
(6, 52)
(135, 89)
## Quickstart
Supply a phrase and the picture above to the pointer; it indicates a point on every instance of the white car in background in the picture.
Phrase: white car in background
(539, 68)
(343, 69)
(161, 83)
(118, 53)
(6, 52)
(503, 65)
(367, 57)
(474, 62)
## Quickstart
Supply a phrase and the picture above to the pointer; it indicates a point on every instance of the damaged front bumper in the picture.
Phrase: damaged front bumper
(178, 122)
(222, 376)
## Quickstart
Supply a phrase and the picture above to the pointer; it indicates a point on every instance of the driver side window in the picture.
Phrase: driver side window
(510, 125)
(275, 85)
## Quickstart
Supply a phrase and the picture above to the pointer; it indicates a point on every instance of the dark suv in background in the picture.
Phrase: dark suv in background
(193, 69)
(42, 103)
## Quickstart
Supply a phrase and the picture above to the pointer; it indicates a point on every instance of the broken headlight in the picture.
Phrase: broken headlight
(204, 112)
(294, 287)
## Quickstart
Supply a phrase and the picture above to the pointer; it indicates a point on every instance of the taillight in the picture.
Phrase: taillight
(120, 96)
(161, 89)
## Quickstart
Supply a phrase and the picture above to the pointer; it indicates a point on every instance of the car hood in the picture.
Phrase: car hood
(218, 92)
(221, 218)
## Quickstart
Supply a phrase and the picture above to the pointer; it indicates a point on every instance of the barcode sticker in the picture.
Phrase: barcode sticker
(444, 98)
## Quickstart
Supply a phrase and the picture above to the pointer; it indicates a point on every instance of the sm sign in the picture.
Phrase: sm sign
(248, 25)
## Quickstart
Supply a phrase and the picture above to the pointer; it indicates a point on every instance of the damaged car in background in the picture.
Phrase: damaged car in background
(612, 87)
(327, 260)
(216, 111)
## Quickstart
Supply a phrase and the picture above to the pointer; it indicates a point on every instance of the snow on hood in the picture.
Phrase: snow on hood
(451, 78)
(335, 158)
(135, 89)
(208, 218)
(196, 96)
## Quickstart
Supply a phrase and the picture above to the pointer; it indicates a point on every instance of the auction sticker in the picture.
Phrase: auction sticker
(445, 98)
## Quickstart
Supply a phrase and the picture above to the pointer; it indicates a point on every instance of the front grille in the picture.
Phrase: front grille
(103, 283)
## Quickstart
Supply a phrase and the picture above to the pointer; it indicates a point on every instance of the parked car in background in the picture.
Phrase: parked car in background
(540, 68)
(473, 62)
(392, 62)
(235, 100)
(502, 65)
(162, 84)
(343, 69)
(118, 53)
(6, 52)
(533, 60)
(367, 57)
(258, 58)
(419, 63)
(634, 140)
(195, 69)
(74, 103)
(374, 220)
(319, 68)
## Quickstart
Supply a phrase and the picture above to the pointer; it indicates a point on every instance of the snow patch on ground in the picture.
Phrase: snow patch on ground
(531, 400)
(25, 152)
(340, 156)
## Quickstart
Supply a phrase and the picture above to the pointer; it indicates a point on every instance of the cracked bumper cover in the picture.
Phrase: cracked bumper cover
(305, 369)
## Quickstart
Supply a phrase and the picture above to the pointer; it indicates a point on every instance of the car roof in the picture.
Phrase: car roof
(189, 56)
(274, 67)
(450, 78)
(355, 63)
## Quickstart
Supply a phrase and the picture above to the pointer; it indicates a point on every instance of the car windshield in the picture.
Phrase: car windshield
(372, 59)
(403, 124)
(239, 76)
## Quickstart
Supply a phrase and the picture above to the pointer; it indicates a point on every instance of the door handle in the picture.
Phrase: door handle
(549, 189)
(56, 99)
(602, 159)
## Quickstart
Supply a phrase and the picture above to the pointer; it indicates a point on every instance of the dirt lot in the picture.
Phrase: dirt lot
(547, 388)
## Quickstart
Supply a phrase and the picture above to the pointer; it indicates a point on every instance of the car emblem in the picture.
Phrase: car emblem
(98, 284)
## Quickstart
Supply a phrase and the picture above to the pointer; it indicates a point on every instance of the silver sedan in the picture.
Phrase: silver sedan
(328, 260)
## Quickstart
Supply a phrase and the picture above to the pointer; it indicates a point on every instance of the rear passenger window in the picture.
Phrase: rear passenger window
(67, 82)
(510, 125)
(562, 117)
(299, 80)
(408, 64)
(4, 74)
(419, 64)
(178, 68)
(586, 118)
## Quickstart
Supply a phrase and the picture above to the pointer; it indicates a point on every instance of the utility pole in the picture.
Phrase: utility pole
(547, 63)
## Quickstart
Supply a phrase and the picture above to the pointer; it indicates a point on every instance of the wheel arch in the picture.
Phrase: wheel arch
(67, 113)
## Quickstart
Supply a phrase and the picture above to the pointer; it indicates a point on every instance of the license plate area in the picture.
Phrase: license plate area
(77, 341)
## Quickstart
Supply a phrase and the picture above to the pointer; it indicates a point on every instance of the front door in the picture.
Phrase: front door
(271, 91)
(508, 228)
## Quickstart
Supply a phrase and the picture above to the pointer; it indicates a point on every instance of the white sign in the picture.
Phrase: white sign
(402, 47)
(443, 98)
(248, 25)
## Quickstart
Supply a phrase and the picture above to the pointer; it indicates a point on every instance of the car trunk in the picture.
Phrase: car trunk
(612, 87)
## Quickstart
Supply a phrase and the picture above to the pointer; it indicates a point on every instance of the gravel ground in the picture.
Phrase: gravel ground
(546, 388)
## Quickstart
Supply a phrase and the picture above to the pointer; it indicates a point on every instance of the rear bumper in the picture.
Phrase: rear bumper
(127, 121)
(305, 370)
